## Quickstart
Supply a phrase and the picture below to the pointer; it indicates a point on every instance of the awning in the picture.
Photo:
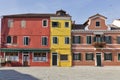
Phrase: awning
(23, 50)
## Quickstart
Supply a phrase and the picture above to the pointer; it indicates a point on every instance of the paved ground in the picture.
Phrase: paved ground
(60, 73)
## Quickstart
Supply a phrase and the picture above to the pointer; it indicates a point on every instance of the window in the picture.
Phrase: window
(76, 56)
(40, 57)
(76, 39)
(97, 24)
(26, 40)
(10, 23)
(44, 41)
(118, 40)
(55, 24)
(14, 39)
(89, 56)
(108, 56)
(89, 39)
(67, 40)
(118, 56)
(45, 23)
(108, 39)
(63, 57)
(66, 24)
(55, 40)
(23, 23)
(9, 39)
(12, 56)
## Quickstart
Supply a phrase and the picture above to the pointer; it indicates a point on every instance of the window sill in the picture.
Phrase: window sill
(64, 60)
(44, 26)
(89, 60)
(108, 60)
(8, 44)
(76, 60)
(39, 61)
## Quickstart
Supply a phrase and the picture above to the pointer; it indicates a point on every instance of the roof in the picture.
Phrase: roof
(113, 27)
(98, 15)
(36, 15)
(78, 26)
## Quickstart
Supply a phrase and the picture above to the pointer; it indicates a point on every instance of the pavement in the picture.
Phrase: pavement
(60, 73)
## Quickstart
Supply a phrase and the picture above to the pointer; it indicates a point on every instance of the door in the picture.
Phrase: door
(54, 59)
(25, 59)
(98, 59)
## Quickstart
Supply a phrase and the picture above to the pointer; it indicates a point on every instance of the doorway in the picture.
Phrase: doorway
(98, 59)
(54, 59)
(26, 59)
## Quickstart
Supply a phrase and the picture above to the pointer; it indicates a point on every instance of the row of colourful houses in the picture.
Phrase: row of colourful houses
(54, 40)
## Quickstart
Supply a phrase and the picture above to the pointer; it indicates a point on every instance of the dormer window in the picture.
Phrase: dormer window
(97, 24)
(61, 13)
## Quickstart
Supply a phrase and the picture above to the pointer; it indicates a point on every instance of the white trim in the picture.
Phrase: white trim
(97, 48)
(46, 23)
(91, 31)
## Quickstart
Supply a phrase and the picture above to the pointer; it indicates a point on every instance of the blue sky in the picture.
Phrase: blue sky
(80, 10)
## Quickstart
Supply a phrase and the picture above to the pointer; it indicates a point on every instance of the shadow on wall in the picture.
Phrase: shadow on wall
(14, 75)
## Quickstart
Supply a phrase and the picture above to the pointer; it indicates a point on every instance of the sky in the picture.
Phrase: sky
(80, 10)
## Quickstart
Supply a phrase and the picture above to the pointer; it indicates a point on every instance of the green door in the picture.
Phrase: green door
(98, 60)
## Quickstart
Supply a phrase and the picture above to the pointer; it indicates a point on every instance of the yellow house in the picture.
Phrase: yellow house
(61, 39)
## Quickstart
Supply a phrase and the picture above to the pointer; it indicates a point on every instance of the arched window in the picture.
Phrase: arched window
(9, 39)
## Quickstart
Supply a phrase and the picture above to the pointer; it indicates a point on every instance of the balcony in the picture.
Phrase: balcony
(99, 44)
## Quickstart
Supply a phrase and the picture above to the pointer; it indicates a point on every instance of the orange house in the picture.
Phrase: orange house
(95, 44)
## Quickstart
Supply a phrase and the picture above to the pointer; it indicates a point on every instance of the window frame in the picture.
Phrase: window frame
(56, 41)
(10, 39)
(43, 40)
(87, 39)
(65, 55)
(46, 23)
(92, 59)
(67, 24)
(117, 40)
(33, 56)
(118, 56)
(23, 23)
(79, 56)
(97, 23)
(106, 53)
(12, 56)
(24, 43)
(10, 23)
(65, 40)
(75, 41)
(107, 41)
(55, 22)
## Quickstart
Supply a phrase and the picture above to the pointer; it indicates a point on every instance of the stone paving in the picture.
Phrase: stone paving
(60, 73)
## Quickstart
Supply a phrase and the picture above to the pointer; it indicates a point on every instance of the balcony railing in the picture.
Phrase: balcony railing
(99, 44)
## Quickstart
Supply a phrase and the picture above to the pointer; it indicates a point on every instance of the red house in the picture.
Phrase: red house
(26, 39)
